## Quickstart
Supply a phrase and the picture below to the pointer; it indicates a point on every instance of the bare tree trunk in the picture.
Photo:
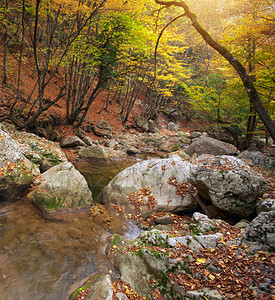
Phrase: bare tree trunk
(247, 81)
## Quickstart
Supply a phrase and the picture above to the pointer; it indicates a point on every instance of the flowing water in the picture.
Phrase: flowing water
(41, 258)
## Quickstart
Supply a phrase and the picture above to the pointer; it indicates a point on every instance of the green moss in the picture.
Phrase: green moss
(85, 286)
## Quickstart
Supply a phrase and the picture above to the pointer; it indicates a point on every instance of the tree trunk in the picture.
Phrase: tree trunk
(247, 82)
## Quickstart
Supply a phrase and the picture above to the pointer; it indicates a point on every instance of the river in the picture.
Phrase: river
(41, 258)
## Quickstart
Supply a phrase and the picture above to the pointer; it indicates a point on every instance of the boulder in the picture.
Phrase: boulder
(228, 183)
(71, 141)
(93, 152)
(102, 129)
(148, 180)
(261, 231)
(172, 126)
(40, 151)
(208, 145)
(16, 171)
(61, 187)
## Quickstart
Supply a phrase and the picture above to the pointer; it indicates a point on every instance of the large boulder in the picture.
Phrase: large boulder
(16, 171)
(147, 184)
(208, 145)
(228, 183)
(61, 187)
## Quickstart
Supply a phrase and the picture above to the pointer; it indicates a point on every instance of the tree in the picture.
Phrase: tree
(238, 66)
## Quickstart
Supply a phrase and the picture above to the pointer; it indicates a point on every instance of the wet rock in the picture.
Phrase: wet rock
(102, 129)
(207, 145)
(101, 288)
(71, 142)
(93, 152)
(228, 183)
(261, 231)
(61, 187)
(153, 173)
(16, 171)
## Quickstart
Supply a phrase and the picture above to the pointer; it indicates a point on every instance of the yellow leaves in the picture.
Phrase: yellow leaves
(201, 261)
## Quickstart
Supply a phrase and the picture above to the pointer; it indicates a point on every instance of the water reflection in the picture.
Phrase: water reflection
(40, 258)
(99, 174)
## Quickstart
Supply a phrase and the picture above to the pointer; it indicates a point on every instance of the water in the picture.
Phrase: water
(99, 174)
(40, 258)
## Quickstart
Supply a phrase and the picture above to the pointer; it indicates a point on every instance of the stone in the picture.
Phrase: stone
(16, 171)
(102, 129)
(172, 126)
(165, 220)
(71, 142)
(93, 152)
(142, 123)
(61, 187)
(207, 145)
(202, 223)
(152, 127)
(155, 174)
(265, 205)
(242, 224)
(229, 183)
(101, 288)
(80, 133)
(257, 159)
(262, 231)
(88, 141)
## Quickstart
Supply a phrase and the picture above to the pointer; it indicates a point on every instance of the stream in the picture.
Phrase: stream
(41, 258)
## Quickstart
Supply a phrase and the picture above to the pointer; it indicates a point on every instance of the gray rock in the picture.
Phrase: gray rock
(93, 152)
(207, 145)
(262, 231)
(202, 224)
(142, 123)
(61, 187)
(88, 141)
(228, 183)
(16, 171)
(172, 126)
(205, 293)
(101, 289)
(152, 127)
(71, 141)
(134, 271)
(153, 173)
(165, 220)
(102, 129)
(242, 224)
(257, 159)
(265, 205)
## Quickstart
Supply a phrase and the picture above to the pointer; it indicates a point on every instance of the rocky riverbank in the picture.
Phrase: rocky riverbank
(175, 257)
